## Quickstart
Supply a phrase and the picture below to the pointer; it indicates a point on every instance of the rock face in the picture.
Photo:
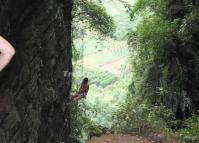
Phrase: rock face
(33, 88)
(184, 71)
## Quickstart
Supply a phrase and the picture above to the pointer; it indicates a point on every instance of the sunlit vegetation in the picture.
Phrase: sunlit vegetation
(160, 95)
(85, 11)
(164, 61)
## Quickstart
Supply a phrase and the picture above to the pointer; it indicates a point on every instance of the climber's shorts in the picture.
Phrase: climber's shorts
(83, 94)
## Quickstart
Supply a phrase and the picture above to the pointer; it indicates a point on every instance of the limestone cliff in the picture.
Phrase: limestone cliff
(33, 87)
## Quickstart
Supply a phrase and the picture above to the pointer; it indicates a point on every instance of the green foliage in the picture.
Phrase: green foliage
(135, 115)
(88, 15)
(190, 133)
(82, 127)
(156, 6)
(189, 25)
(95, 14)
(97, 77)
(94, 114)
(151, 40)
(164, 54)
(153, 34)
(92, 117)
(75, 53)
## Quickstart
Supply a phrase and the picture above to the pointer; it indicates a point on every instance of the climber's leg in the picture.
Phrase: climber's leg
(77, 97)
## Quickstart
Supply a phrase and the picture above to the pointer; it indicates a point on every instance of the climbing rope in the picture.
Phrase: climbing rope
(82, 52)
(82, 55)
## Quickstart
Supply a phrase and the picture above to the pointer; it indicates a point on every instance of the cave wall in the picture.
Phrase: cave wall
(33, 88)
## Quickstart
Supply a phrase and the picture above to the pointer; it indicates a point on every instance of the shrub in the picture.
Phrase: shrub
(82, 127)
(190, 133)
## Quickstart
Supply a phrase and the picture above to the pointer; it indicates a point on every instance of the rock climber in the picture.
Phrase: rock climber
(83, 90)
(6, 53)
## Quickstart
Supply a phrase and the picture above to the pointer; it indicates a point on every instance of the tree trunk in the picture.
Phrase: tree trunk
(33, 87)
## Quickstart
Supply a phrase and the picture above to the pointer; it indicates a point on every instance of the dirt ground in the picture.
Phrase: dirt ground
(119, 138)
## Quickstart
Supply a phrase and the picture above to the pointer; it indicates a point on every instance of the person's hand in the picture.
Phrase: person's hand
(6, 53)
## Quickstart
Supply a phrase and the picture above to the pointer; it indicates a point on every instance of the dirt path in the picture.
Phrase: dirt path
(118, 138)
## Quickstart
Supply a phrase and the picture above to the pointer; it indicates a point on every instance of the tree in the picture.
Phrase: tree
(90, 12)
(90, 15)
(167, 54)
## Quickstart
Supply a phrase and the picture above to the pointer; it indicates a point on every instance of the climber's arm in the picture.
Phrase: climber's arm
(6, 53)
(86, 89)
